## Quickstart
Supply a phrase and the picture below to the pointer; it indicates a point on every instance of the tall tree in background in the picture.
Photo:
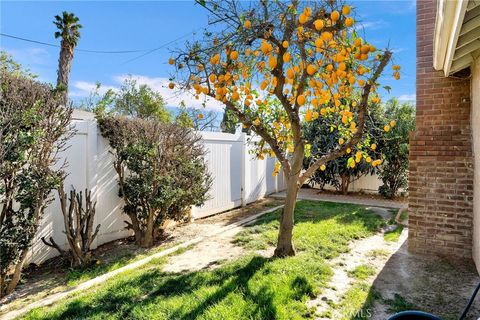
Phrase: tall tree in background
(306, 56)
(131, 100)
(341, 172)
(396, 148)
(68, 30)
(197, 119)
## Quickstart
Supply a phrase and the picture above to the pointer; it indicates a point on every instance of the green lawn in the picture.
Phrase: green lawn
(251, 287)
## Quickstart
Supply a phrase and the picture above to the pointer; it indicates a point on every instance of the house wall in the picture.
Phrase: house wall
(476, 148)
(441, 161)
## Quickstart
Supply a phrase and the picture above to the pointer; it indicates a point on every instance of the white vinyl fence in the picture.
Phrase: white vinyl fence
(238, 179)
(365, 184)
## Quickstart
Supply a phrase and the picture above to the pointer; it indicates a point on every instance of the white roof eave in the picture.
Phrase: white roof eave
(448, 23)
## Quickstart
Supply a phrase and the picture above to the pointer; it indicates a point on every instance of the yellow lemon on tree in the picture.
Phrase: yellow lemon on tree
(308, 115)
(335, 15)
(327, 36)
(290, 73)
(234, 55)
(311, 69)
(302, 18)
(349, 22)
(235, 96)
(272, 62)
(318, 24)
(301, 100)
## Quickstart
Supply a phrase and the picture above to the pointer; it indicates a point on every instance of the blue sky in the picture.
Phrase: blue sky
(135, 25)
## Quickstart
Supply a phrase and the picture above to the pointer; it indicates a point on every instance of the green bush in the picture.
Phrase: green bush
(337, 172)
(395, 148)
(34, 128)
(161, 171)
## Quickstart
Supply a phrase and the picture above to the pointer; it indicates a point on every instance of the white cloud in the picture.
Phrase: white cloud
(398, 50)
(407, 97)
(31, 56)
(84, 88)
(173, 98)
(373, 25)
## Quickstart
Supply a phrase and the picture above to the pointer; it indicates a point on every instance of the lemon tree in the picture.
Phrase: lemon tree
(275, 65)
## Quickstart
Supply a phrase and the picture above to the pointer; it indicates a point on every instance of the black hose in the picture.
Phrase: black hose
(467, 308)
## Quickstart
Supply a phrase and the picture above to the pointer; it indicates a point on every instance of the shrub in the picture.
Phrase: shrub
(132, 100)
(338, 173)
(78, 220)
(33, 130)
(161, 172)
(395, 147)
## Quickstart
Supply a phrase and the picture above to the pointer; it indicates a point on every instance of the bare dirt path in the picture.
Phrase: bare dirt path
(207, 254)
(401, 281)
(373, 251)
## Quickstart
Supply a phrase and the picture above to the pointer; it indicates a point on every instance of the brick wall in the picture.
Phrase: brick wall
(441, 174)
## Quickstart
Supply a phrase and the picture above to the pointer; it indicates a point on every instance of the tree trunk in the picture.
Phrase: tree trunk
(145, 240)
(345, 184)
(285, 246)
(17, 273)
(145, 237)
(64, 66)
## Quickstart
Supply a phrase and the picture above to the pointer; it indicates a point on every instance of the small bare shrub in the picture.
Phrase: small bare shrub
(78, 220)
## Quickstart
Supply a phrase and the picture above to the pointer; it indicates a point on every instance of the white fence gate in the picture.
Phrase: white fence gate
(238, 179)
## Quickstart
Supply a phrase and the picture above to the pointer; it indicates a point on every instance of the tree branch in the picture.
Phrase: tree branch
(338, 152)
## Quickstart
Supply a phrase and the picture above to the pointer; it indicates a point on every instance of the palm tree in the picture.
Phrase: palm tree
(68, 31)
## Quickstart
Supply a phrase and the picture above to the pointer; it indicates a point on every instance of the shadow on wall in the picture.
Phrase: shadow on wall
(109, 204)
(52, 224)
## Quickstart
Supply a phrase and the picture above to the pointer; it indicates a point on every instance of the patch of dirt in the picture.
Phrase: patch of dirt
(361, 252)
(211, 252)
(421, 282)
(207, 254)
(51, 277)
(238, 214)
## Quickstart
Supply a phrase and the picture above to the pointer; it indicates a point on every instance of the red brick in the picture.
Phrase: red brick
(441, 174)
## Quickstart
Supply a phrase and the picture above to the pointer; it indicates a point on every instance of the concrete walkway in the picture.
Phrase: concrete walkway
(316, 195)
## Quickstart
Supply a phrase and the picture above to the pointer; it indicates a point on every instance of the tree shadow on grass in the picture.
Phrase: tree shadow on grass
(119, 300)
